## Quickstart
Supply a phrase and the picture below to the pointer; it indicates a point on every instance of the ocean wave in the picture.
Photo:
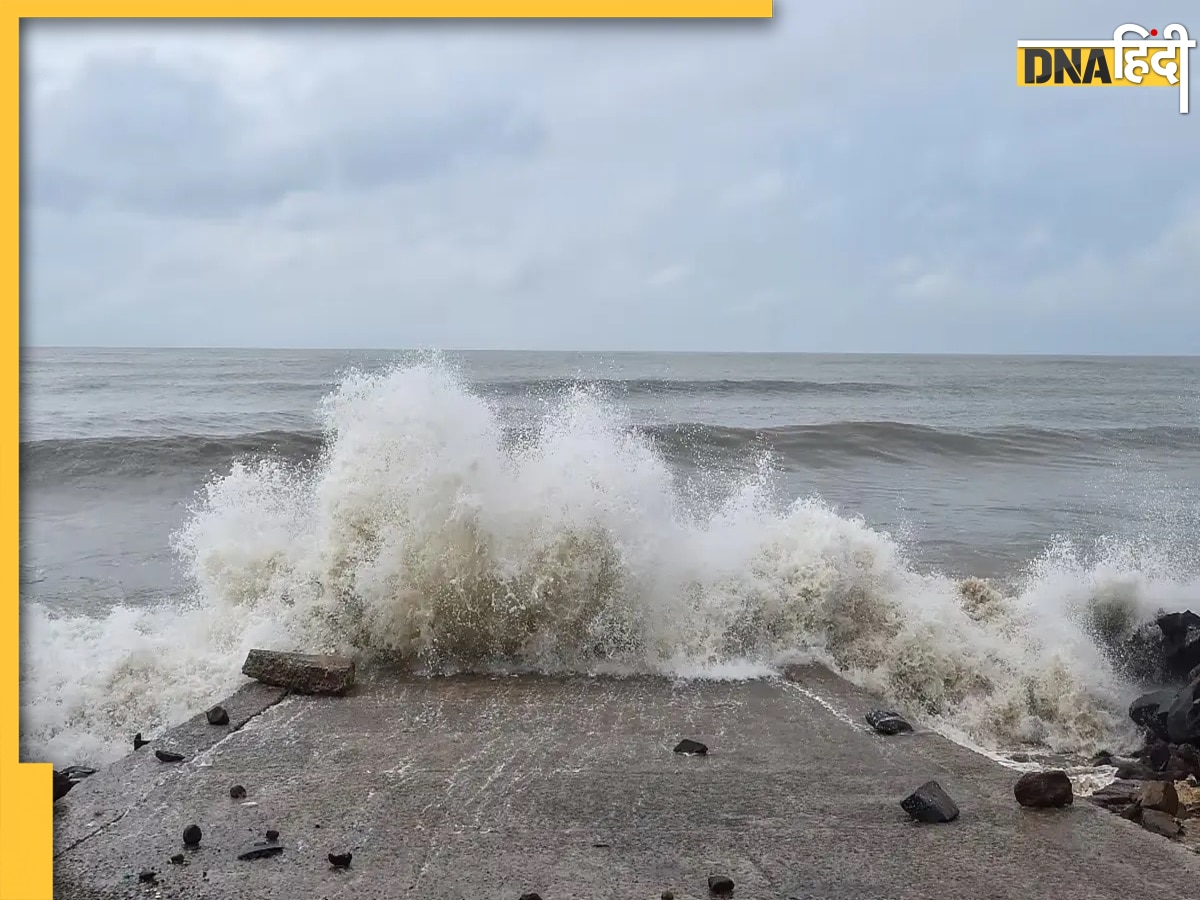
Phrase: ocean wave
(794, 446)
(540, 387)
(425, 536)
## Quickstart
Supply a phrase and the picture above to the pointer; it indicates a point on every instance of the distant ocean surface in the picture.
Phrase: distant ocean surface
(696, 514)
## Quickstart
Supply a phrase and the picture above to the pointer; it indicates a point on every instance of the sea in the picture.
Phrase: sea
(972, 537)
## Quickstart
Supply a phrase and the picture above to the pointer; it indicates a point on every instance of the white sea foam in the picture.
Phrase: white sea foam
(425, 536)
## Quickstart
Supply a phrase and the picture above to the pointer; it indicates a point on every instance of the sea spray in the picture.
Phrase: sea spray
(426, 534)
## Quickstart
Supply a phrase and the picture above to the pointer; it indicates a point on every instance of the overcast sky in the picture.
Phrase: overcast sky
(870, 179)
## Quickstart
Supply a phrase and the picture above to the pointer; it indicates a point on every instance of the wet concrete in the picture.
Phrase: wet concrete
(479, 788)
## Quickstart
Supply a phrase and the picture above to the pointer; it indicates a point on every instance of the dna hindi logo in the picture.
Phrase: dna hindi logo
(1119, 62)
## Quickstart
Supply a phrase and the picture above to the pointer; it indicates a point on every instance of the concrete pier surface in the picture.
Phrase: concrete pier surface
(478, 788)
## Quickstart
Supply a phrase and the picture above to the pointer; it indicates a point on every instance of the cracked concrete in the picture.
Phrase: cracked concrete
(492, 787)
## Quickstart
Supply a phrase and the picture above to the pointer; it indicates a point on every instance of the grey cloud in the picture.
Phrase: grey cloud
(151, 136)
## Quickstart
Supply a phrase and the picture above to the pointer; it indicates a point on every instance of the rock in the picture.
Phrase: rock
(192, 835)
(1133, 812)
(887, 722)
(721, 885)
(138, 743)
(1181, 643)
(272, 835)
(1160, 823)
(1103, 758)
(1189, 798)
(217, 716)
(667, 895)
(340, 860)
(929, 803)
(1025, 757)
(1183, 716)
(168, 757)
(237, 792)
(261, 852)
(177, 859)
(1161, 796)
(694, 748)
(62, 785)
(301, 672)
(1117, 794)
(147, 877)
(531, 896)
(1043, 790)
(1149, 711)
(1136, 771)
(1158, 755)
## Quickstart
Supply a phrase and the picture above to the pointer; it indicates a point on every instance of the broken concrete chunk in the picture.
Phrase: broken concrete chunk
(929, 803)
(691, 747)
(261, 852)
(303, 673)
(1161, 796)
(885, 721)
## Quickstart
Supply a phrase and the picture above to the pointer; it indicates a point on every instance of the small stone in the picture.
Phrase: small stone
(929, 803)
(694, 748)
(177, 859)
(237, 792)
(1044, 790)
(217, 716)
(667, 895)
(1022, 758)
(192, 835)
(340, 860)
(1161, 796)
(885, 721)
(301, 672)
(1160, 823)
(272, 835)
(168, 757)
(261, 852)
(147, 877)
(138, 743)
(531, 896)
(719, 884)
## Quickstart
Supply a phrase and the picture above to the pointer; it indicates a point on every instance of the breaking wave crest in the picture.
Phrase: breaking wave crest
(425, 535)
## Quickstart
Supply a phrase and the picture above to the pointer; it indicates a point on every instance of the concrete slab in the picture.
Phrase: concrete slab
(482, 788)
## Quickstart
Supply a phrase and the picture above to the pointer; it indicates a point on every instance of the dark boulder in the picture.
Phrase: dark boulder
(340, 860)
(237, 792)
(929, 803)
(1149, 711)
(67, 778)
(148, 877)
(692, 748)
(1043, 790)
(1183, 716)
(168, 757)
(139, 742)
(1180, 644)
(217, 716)
(720, 885)
(885, 721)
(192, 835)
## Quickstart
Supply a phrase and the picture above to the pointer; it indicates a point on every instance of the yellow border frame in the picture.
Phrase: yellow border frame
(26, 810)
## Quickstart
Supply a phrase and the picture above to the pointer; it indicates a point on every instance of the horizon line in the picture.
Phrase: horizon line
(437, 349)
